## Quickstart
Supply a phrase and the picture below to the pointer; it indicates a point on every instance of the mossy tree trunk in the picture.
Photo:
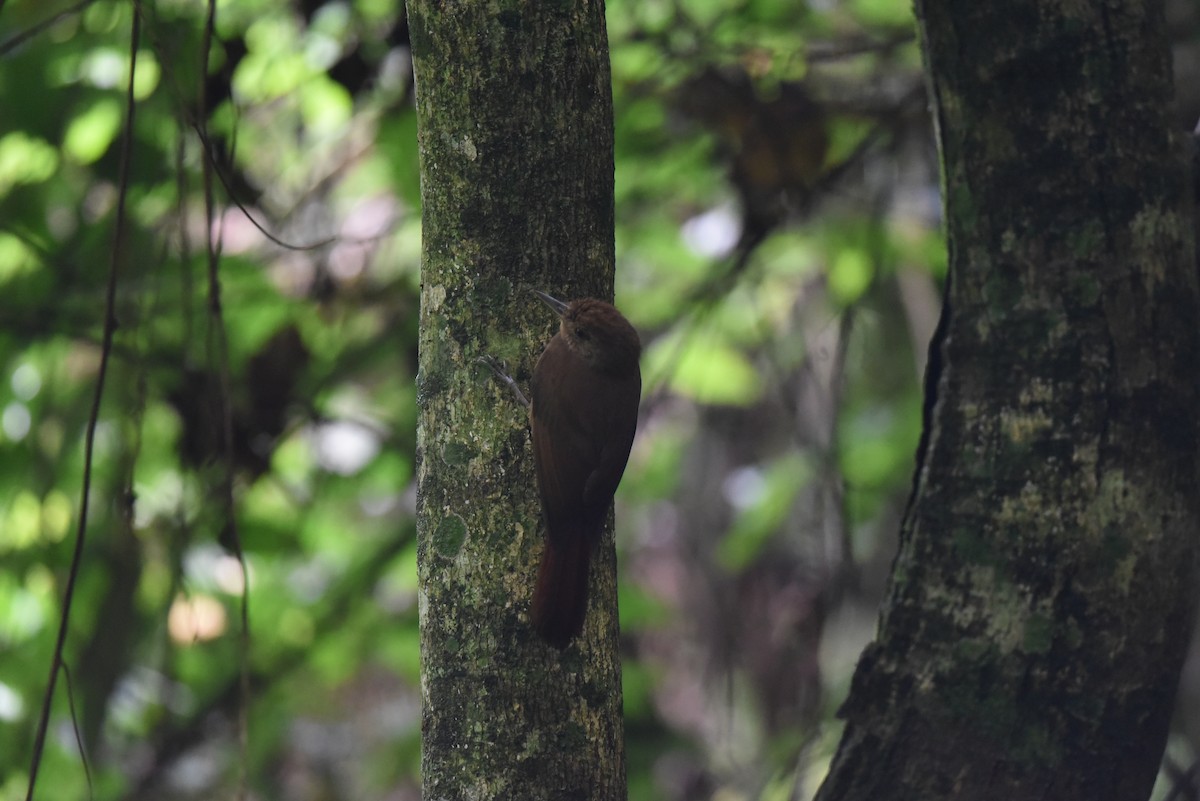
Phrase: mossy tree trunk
(1041, 599)
(514, 110)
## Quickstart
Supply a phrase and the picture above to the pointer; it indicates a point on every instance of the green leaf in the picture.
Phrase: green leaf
(397, 141)
(16, 258)
(90, 134)
(654, 472)
(877, 445)
(639, 609)
(25, 159)
(637, 690)
(850, 275)
(896, 13)
(757, 522)
(704, 370)
(327, 106)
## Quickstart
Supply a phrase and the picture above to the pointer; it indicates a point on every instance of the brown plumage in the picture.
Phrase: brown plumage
(583, 414)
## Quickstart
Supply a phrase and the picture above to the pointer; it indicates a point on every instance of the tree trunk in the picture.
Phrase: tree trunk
(1041, 599)
(514, 112)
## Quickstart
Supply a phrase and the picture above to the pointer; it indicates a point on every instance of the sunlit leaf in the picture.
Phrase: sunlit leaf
(25, 159)
(326, 105)
(850, 275)
(705, 370)
(90, 133)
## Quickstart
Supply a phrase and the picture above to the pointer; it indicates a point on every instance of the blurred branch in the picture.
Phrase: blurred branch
(87, 769)
(18, 39)
(218, 350)
(818, 52)
(110, 327)
(794, 201)
(211, 160)
(172, 743)
(1183, 782)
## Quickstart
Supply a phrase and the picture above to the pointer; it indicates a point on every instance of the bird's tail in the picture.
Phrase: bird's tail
(560, 598)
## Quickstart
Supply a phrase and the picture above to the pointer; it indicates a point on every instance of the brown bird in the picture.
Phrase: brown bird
(585, 392)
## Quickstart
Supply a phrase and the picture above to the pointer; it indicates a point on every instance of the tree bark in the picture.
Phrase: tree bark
(1040, 604)
(514, 113)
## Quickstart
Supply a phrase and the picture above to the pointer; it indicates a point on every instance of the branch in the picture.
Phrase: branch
(110, 327)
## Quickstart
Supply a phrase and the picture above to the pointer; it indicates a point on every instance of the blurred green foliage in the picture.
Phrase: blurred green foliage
(777, 246)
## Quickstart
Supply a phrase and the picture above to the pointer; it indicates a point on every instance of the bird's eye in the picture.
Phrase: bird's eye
(582, 333)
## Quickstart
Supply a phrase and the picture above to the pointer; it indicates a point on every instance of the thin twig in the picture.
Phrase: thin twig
(1182, 781)
(32, 31)
(169, 744)
(87, 770)
(110, 327)
(211, 158)
(219, 344)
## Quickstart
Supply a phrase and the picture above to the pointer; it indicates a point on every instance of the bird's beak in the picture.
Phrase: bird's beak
(554, 303)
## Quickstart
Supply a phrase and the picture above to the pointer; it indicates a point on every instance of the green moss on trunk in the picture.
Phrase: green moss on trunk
(515, 133)
(1040, 606)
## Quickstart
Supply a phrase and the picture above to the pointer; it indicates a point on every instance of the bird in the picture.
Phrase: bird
(585, 392)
